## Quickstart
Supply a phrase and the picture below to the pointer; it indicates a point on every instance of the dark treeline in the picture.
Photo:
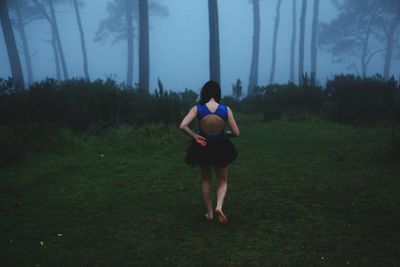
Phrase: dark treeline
(344, 99)
(39, 116)
(31, 116)
(80, 104)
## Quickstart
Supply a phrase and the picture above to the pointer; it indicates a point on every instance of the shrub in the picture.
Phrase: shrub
(232, 102)
(292, 100)
(12, 144)
(394, 146)
(352, 98)
(254, 103)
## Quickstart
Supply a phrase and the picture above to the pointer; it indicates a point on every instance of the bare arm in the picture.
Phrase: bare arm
(185, 127)
(232, 123)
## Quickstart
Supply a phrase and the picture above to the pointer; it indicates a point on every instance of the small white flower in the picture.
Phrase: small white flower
(102, 155)
(59, 234)
(322, 258)
(41, 243)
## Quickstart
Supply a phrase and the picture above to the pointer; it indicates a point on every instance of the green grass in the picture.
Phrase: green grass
(301, 193)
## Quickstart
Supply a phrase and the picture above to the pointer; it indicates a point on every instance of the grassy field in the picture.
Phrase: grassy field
(301, 193)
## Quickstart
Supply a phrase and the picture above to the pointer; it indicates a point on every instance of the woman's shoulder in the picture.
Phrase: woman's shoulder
(193, 109)
(225, 106)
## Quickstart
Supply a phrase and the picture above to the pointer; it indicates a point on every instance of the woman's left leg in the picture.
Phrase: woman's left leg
(206, 188)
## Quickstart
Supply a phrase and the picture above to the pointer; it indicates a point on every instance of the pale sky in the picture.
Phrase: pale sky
(179, 45)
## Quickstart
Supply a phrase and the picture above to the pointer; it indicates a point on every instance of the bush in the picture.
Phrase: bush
(346, 98)
(352, 98)
(15, 141)
(394, 146)
(12, 144)
(80, 105)
(32, 119)
(254, 103)
(232, 102)
(291, 100)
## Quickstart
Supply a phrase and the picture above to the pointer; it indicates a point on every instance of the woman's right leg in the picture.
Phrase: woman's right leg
(206, 187)
(222, 180)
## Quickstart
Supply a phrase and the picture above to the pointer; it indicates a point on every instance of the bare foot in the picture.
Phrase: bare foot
(209, 215)
(221, 216)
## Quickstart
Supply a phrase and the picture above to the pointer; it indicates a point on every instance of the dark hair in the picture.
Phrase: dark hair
(211, 89)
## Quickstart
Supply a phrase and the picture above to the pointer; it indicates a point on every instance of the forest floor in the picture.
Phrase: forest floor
(301, 193)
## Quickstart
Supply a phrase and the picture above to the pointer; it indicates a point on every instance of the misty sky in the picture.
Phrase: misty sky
(179, 45)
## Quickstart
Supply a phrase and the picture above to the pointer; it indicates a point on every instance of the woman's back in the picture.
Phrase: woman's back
(212, 119)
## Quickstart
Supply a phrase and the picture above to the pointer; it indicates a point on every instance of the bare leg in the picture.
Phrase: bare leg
(222, 180)
(206, 187)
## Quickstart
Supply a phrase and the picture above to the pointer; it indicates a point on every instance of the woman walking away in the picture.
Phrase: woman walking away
(211, 148)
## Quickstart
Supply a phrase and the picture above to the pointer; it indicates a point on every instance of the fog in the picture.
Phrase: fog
(179, 45)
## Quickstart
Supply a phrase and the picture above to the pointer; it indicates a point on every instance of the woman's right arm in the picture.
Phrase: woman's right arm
(185, 127)
(232, 123)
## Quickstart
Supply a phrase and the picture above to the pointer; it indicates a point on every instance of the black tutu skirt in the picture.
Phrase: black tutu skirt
(219, 152)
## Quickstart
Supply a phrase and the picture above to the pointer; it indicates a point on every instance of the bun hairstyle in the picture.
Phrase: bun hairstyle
(211, 89)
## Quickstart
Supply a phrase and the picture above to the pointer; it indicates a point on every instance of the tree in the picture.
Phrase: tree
(82, 37)
(293, 42)
(351, 34)
(390, 15)
(122, 21)
(23, 15)
(237, 89)
(314, 37)
(253, 79)
(215, 73)
(274, 42)
(144, 46)
(130, 41)
(15, 63)
(302, 35)
(51, 18)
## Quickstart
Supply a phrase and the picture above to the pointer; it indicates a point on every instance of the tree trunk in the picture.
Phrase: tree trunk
(293, 42)
(144, 46)
(253, 79)
(215, 73)
(53, 42)
(56, 58)
(25, 46)
(389, 44)
(314, 41)
(301, 46)
(58, 40)
(365, 51)
(129, 27)
(82, 36)
(275, 40)
(15, 64)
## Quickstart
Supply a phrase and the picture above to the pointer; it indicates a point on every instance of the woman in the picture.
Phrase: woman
(211, 147)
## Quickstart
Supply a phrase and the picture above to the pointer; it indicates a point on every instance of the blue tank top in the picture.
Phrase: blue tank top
(221, 111)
